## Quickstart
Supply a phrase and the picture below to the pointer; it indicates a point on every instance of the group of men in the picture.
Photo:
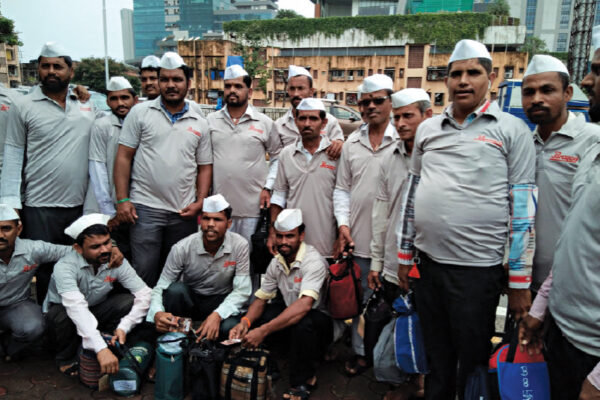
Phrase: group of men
(469, 197)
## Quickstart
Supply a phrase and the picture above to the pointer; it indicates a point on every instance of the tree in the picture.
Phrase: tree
(533, 45)
(90, 72)
(499, 8)
(255, 60)
(7, 32)
(288, 14)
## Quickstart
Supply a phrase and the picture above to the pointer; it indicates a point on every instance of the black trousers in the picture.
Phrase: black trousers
(568, 366)
(47, 224)
(457, 310)
(307, 341)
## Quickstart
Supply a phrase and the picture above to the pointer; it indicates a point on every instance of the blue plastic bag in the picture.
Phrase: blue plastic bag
(408, 338)
(521, 380)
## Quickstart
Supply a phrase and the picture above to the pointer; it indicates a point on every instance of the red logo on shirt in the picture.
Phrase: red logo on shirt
(297, 279)
(4, 107)
(558, 156)
(323, 133)
(28, 268)
(197, 133)
(109, 279)
(229, 264)
(252, 128)
(85, 108)
(482, 138)
(328, 166)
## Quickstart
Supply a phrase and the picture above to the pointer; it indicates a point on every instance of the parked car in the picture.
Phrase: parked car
(348, 118)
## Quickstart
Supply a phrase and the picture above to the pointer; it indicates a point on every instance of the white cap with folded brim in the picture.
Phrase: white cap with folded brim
(359, 91)
(541, 63)
(295, 70)
(288, 219)
(408, 96)
(82, 223)
(118, 83)
(213, 204)
(53, 49)
(7, 213)
(311, 103)
(150, 62)
(595, 38)
(171, 60)
(377, 82)
(467, 49)
(234, 71)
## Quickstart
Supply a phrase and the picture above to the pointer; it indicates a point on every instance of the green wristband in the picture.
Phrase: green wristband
(123, 200)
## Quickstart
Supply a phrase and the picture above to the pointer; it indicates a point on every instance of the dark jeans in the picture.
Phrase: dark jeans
(457, 310)
(25, 323)
(151, 238)
(120, 234)
(181, 301)
(568, 366)
(47, 224)
(307, 340)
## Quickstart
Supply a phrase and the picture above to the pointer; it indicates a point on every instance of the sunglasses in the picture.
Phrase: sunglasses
(377, 101)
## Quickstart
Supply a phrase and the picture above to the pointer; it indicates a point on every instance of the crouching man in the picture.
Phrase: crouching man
(206, 276)
(80, 300)
(297, 314)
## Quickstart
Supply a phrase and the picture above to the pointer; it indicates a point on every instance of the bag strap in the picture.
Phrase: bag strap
(126, 353)
(514, 342)
(356, 281)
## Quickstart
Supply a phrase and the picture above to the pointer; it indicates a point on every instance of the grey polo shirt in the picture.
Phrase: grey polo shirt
(15, 278)
(287, 130)
(72, 273)
(7, 97)
(56, 143)
(573, 300)
(240, 166)
(557, 162)
(462, 205)
(167, 155)
(309, 187)
(104, 143)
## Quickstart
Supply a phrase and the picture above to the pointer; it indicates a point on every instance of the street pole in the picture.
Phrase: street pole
(106, 75)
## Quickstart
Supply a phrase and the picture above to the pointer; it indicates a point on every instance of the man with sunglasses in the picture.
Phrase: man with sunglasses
(358, 172)
(471, 186)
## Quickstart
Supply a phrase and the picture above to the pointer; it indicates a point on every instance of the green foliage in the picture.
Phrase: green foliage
(444, 29)
(533, 45)
(499, 8)
(255, 62)
(288, 14)
(7, 32)
(90, 72)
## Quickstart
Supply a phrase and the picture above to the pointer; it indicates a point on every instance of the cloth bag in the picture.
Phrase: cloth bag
(260, 256)
(204, 369)
(345, 293)
(246, 375)
(377, 314)
(384, 358)
(408, 337)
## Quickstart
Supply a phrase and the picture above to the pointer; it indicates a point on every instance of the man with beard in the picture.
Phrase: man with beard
(300, 86)
(104, 143)
(46, 153)
(289, 306)
(80, 300)
(161, 190)
(358, 174)
(591, 82)
(470, 188)
(306, 178)
(206, 276)
(561, 138)
(241, 137)
(149, 77)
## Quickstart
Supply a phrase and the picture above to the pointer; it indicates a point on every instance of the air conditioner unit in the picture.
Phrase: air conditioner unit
(351, 78)
(508, 75)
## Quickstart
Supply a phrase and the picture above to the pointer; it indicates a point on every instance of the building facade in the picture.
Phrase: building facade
(127, 33)
(148, 26)
(10, 71)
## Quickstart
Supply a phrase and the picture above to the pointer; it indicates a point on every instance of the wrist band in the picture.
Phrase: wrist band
(123, 200)
(247, 321)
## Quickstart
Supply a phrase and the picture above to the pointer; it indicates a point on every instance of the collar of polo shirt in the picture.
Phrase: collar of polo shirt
(299, 256)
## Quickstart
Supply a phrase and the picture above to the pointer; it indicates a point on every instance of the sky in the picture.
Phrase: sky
(77, 24)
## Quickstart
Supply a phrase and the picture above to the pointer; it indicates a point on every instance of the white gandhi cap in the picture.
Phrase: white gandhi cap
(234, 71)
(359, 91)
(595, 38)
(288, 219)
(53, 49)
(171, 60)
(408, 96)
(213, 204)
(311, 103)
(7, 213)
(118, 83)
(467, 49)
(150, 62)
(295, 70)
(377, 82)
(82, 223)
(541, 63)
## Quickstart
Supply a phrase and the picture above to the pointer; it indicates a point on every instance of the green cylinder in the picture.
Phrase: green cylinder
(127, 381)
(169, 381)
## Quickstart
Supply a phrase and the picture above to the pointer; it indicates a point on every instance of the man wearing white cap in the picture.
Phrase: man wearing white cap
(295, 314)
(80, 301)
(306, 178)
(471, 187)
(149, 77)
(561, 138)
(356, 184)
(300, 86)
(46, 153)
(591, 82)
(163, 170)
(206, 276)
(241, 137)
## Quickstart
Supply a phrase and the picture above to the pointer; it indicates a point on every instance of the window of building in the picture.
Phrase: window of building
(337, 75)
(351, 99)
(270, 95)
(561, 42)
(370, 72)
(438, 99)
(414, 82)
(355, 74)
(280, 95)
(401, 73)
(436, 73)
(509, 71)
(322, 94)
(415, 56)
(389, 72)
(521, 71)
(9, 55)
(217, 74)
(530, 12)
(496, 70)
(315, 74)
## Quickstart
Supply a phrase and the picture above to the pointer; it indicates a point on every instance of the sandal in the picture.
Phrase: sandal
(354, 368)
(72, 370)
(302, 392)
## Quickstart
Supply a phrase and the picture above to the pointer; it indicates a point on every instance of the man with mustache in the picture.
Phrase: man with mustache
(300, 86)
(149, 77)
(160, 191)
(591, 82)
(471, 187)
(206, 276)
(104, 143)
(306, 177)
(81, 302)
(289, 307)
(357, 178)
(46, 153)
(241, 138)
(561, 138)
